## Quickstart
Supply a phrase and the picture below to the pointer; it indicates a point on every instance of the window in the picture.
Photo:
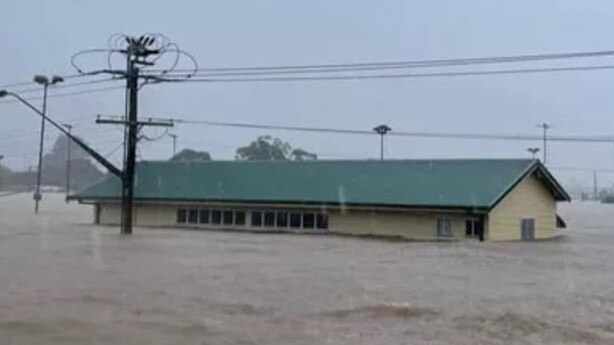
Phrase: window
(216, 217)
(444, 226)
(182, 215)
(240, 218)
(295, 220)
(227, 218)
(309, 220)
(203, 217)
(322, 221)
(473, 227)
(269, 219)
(282, 219)
(193, 216)
(256, 218)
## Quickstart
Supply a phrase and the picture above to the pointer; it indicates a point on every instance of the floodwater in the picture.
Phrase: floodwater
(64, 281)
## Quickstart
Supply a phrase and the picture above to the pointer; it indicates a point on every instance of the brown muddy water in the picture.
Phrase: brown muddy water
(64, 281)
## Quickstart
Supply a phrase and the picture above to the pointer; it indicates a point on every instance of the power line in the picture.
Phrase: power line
(26, 83)
(392, 76)
(417, 63)
(64, 86)
(446, 135)
(64, 94)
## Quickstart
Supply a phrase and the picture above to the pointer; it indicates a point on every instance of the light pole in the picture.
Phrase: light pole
(544, 126)
(45, 82)
(69, 128)
(174, 136)
(533, 150)
(382, 130)
(1, 175)
(97, 156)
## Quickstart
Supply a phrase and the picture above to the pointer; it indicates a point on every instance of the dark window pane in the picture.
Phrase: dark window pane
(193, 216)
(322, 221)
(295, 220)
(182, 216)
(282, 219)
(309, 220)
(203, 217)
(256, 218)
(469, 228)
(269, 219)
(216, 217)
(478, 227)
(227, 218)
(240, 218)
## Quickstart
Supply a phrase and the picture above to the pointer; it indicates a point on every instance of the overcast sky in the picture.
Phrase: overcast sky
(41, 36)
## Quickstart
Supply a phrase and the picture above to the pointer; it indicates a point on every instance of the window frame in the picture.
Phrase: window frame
(286, 217)
(264, 219)
(183, 211)
(232, 217)
(191, 212)
(235, 217)
(251, 218)
(444, 219)
(213, 212)
(300, 222)
(306, 215)
(200, 213)
(326, 221)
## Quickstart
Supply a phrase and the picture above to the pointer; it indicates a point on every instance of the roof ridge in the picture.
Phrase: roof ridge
(317, 161)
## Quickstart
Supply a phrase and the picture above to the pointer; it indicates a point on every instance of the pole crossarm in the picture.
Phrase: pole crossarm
(147, 122)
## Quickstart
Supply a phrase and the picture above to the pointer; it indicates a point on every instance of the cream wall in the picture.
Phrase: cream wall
(410, 225)
(110, 214)
(144, 214)
(419, 226)
(530, 199)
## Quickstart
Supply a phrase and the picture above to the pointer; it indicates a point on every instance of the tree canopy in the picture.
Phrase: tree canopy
(191, 155)
(83, 171)
(268, 148)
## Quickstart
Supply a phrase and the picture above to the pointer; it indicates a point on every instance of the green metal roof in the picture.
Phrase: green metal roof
(469, 183)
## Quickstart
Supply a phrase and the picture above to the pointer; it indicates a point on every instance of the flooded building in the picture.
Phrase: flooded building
(495, 199)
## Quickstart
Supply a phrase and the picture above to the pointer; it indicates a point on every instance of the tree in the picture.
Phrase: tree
(267, 148)
(83, 172)
(186, 155)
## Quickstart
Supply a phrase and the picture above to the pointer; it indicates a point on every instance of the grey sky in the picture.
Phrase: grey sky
(40, 37)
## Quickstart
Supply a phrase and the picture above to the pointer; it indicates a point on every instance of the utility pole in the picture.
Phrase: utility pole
(45, 82)
(382, 130)
(132, 83)
(136, 50)
(595, 188)
(69, 128)
(174, 137)
(545, 126)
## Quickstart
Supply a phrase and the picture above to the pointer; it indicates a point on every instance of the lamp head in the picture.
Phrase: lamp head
(41, 79)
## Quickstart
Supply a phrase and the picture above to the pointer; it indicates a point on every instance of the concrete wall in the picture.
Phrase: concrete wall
(422, 226)
(530, 199)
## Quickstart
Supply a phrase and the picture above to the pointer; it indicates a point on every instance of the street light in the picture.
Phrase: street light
(174, 136)
(544, 126)
(382, 130)
(69, 128)
(533, 150)
(45, 82)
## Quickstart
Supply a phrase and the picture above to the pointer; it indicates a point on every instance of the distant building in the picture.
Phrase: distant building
(414, 199)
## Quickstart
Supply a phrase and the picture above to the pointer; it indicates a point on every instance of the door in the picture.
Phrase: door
(474, 228)
(527, 229)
